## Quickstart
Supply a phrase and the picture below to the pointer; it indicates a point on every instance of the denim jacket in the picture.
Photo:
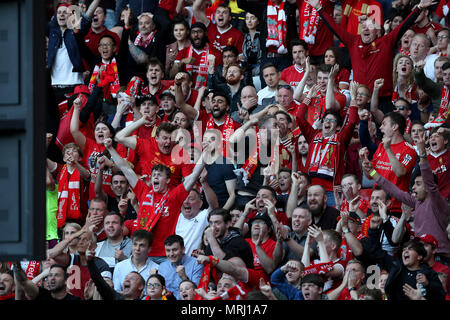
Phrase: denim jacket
(55, 37)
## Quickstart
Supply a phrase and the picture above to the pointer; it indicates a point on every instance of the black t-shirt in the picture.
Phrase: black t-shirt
(218, 173)
(113, 205)
(329, 219)
(408, 277)
(45, 295)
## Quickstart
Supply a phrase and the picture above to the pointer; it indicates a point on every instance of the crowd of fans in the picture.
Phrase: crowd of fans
(244, 149)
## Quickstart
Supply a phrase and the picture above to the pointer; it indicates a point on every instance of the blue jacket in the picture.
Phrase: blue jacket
(55, 37)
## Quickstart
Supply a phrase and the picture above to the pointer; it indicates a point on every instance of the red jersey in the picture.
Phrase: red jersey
(199, 55)
(170, 208)
(91, 39)
(439, 267)
(367, 58)
(221, 39)
(317, 107)
(353, 9)
(431, 25)
(268, 246)
(343, 77)
(164, 85)
(148, 155)
(91, 152)
(407, 156)
(292, 75)
(440, 165)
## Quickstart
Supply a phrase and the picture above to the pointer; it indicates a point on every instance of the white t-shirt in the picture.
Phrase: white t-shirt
(429, 66)
(62, 69)
(265, 93)
(191, 230)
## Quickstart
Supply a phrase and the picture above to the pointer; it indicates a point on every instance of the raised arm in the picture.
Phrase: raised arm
(298, 92)
(191, 179)
(20, 278)
(77, 135)
(198, 9)
(330, 102)
(187, 109)
(378, 115)
(124, 136)
(122, 164)
(293, 195)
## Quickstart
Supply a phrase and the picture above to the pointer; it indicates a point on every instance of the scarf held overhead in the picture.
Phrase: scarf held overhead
(276, 27)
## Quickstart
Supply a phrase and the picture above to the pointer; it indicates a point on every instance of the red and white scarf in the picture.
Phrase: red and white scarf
(109, 79)
(443, 109)
(323, 156)
(310, 19)
(319, 106)
(208, 270)
(202, 68)
(227, 130)
(69, 196)
(149, 221)
(33, 269)
(247, 170)
(276, 27)
(410, 95)
(144, 42)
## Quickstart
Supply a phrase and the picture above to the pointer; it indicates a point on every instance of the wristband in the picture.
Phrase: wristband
(373, 172)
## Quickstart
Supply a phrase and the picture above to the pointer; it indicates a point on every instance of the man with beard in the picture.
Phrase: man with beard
(194, 59)
(221, 33)
(234, 77)
(324, 216)
(155, 150)
(430, 208)
(225, 241)
(248, 105)
(219, 119)
(57, 288)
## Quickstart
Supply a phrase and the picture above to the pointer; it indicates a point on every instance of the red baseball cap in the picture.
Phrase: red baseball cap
(428, 238)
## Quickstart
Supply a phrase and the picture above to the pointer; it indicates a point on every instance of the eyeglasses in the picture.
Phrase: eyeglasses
(105, 45)
(359, 94)
(399, 108)
(153, 285)
(329, 120)
(441, 37)
(196, 31)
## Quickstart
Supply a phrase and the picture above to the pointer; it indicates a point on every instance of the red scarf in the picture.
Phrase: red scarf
(443, 109)
(33, 269)
(150, 220)
(227, 131)
(109, 79)
(234, 293)
(68, 192)
(319, 107)
(8, 296)
(323, 157)
(310, 18)
(410, 94)
(206, 276)
(144, 42)
(202, 72)
(320, 268)
(251, 163)
(276, 27)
